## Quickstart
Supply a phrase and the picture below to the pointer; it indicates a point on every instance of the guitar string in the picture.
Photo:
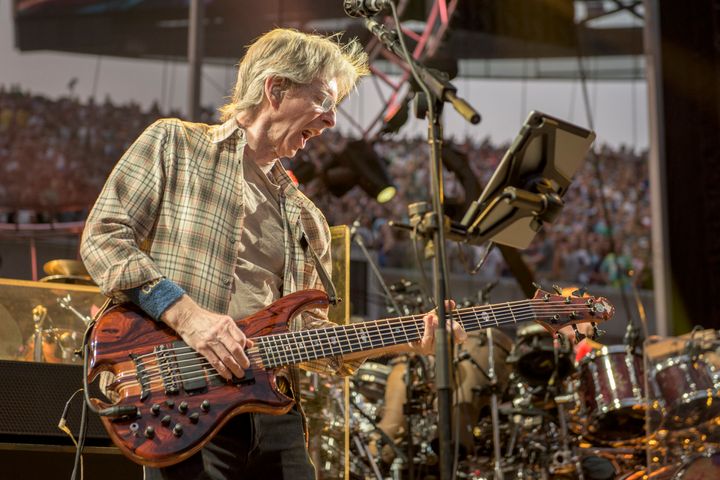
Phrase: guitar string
(290, 358)
(293, 337)
(255, 352)
(480, 308)
(201, 372)
(367, 336)
(534, 303)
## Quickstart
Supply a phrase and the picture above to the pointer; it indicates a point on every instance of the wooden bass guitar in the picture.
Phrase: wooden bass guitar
(172, 402)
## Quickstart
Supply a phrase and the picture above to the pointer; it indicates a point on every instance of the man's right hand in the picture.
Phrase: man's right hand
(214, 336)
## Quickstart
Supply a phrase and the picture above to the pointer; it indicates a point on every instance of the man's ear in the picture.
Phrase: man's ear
(274, 90)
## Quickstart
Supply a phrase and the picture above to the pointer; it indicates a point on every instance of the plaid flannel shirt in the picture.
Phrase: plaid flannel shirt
(173, 207)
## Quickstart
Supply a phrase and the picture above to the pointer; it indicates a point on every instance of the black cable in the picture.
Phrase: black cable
(599, 178)
(63, 417)
(81, 442)
(87, 404)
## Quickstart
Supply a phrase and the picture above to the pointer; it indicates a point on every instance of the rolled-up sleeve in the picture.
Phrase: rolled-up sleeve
(123, 217)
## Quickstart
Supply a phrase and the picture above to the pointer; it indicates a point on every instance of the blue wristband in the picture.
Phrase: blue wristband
(155, 297)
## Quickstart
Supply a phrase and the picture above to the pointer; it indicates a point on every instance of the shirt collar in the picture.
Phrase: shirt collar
(220, 133)
(281, 177)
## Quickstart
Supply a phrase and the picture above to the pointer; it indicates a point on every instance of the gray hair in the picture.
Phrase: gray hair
(298, 58)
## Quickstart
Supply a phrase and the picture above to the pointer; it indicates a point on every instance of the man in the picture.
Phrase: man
(199, 225)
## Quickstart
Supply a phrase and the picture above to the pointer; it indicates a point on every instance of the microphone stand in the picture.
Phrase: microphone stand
(436, 91)
(494, 405)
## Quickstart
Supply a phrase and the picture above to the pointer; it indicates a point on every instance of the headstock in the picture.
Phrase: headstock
(570, 307)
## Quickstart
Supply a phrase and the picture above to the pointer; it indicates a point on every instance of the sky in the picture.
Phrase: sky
(619, 108)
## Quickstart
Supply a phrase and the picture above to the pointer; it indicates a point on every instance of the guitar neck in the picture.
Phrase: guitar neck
(297, 347)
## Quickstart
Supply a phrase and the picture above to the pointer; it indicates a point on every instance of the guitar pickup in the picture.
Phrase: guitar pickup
(248, 379)
(190, 369)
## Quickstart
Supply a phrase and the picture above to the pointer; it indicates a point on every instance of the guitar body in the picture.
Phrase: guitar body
(180, 400)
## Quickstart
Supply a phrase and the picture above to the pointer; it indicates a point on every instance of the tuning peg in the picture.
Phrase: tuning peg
(596, 331)
(578, 336)
(562, 342)
(580, 292)
(557, 289)
(537, 286)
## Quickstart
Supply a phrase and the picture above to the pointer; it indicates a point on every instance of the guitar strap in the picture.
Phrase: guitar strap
(322, 273)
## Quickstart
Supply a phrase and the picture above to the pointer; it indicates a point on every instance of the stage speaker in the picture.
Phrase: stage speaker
(33, 397)
(32, 446)
(43, 462)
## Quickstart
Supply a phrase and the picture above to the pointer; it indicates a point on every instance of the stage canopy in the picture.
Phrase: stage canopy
(491, 38)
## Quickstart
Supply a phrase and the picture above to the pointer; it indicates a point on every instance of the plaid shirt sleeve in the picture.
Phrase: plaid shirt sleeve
(123, 217)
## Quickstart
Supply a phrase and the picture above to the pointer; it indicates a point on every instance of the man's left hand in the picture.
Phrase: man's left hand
(426, 345)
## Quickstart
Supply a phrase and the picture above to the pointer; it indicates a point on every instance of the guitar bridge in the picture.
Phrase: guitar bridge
(168, 365)
(141, 375)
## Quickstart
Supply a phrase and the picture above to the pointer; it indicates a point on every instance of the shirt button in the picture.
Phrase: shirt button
(227, 281)
(233, 240)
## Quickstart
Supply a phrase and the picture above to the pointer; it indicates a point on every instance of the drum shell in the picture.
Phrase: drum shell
(533, 356)
(686, 389)
(612, 388)
(697, 467)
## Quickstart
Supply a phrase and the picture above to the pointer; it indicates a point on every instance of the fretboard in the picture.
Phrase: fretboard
(297, 347)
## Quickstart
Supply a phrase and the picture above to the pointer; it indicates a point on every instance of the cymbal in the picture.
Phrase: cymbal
(66, 267)
(71, 279)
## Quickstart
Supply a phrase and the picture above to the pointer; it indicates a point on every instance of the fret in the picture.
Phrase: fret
(287, 347)
(328, 342)
(274, 349)
(374, 334)
(392, 334)
(313, 342)
(336, 342)
(399, 331)
(492, 310)
(383, 328)
(355, 345)
(418, 325)
(477, 319)
(403, 326)
(265, 356)
(301, 342)
(365, 337)
(511, 312)
(320, 342)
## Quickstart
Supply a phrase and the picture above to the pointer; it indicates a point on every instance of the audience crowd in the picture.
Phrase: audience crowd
(56, 154)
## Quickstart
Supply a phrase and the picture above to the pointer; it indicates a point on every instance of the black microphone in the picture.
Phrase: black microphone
(365, 8)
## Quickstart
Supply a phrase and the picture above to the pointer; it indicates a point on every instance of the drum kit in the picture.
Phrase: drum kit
(50, 343)
(527, 408)
(557, 416)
